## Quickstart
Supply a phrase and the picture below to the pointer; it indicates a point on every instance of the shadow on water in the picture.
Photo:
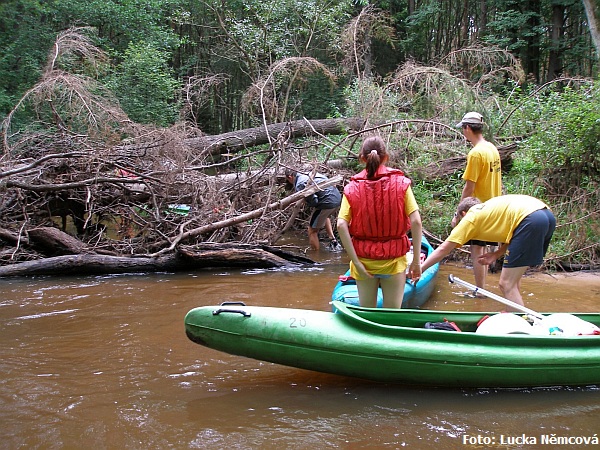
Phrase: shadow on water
(104, 362)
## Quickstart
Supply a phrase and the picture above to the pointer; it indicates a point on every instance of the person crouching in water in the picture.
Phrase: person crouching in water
(378, 208)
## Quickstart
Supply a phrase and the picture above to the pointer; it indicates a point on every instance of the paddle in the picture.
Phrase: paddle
(453, 279)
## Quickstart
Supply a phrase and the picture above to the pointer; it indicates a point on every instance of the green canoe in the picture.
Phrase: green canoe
(392, 345)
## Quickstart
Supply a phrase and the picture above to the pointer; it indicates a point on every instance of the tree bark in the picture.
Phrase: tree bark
(554, 57)
(236, 141)
(186, 258)
(590, 12)
(54, 242)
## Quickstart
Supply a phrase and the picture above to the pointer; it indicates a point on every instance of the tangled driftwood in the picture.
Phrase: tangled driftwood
(133, 206)
(85, 180)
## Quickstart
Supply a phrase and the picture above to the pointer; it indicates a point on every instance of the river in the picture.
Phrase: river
(103, 362)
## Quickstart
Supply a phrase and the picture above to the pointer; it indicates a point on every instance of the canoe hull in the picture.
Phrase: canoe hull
(414, 296)
(392, 346)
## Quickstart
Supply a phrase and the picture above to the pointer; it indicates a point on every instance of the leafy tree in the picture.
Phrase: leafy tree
(145, 86)
(565, 136)
(25, 39)
(120, 22)
(246, 40)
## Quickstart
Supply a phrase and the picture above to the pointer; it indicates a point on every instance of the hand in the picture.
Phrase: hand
(487, 258)
(360, 268)
(414, 271)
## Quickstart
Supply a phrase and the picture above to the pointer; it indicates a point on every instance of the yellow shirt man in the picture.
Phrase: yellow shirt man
(482, 180)
(523, 225)
(483, 169)
(494, 220)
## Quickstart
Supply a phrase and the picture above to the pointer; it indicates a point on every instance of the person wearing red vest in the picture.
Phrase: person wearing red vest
(378, 209)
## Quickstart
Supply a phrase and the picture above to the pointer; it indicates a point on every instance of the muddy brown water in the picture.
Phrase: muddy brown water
(103, 362)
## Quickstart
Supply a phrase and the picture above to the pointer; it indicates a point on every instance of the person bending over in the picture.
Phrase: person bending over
(523, 225)
(325, 202)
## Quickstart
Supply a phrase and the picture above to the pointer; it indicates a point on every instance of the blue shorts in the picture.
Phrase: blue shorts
(531, 239)
(319, 216)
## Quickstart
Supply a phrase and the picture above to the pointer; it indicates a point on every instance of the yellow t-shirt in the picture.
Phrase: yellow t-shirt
(483, 169)
(494, 220)
(380, 266)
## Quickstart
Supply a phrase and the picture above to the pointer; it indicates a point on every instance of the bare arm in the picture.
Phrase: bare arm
(344, 232)
(414, 271)
(468, 191)
(438, 254)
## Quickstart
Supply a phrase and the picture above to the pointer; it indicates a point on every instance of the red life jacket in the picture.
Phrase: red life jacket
(379, 223)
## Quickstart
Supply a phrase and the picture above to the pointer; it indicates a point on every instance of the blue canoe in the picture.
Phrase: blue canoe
(414, 296)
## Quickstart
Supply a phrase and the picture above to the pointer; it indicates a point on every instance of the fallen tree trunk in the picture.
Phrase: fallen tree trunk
(54, 242)
(185, 258)
(12, 238)
(446, 167)
(235, 141)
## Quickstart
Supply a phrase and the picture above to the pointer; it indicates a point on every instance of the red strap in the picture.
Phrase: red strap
(482, 320)
(345, 278)
(453, 325)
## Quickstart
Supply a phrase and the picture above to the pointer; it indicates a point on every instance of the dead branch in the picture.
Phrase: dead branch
(357, 37)
(281, 204)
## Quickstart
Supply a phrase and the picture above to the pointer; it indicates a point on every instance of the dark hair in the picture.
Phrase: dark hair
(290, 173)
(373, 153)
(466, 204)
(475, 127)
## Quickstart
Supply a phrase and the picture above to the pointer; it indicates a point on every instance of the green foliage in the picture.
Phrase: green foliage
(366, 98)
(509, 29)
(565, 133)
(317, 101)
(24, 44)
(28, 29)
(120, 22)
(269, 31)
(145, 85)
(419, 31)
(437, 202)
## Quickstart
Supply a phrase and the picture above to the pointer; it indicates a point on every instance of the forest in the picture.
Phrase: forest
(154, 135)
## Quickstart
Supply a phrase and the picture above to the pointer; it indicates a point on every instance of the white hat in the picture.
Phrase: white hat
(471, 118)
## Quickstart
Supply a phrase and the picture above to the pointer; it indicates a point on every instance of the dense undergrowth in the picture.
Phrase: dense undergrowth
(557, 131)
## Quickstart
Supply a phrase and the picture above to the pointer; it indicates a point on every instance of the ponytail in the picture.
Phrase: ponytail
(373, 153)
(373, 162)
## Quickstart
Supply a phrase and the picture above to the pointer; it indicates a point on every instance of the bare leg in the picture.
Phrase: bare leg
(393, 290)
(313, 238)
(329, 229)
(367, 292)
(510, 283)
(479, 270)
